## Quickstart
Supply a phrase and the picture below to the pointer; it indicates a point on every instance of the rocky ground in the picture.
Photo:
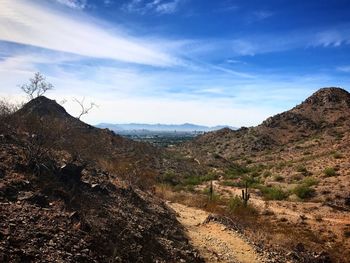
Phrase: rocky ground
(76, 213)
(297, 166)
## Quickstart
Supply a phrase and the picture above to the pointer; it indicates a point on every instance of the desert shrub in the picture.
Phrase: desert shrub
(281, 165)
(212, 197)
(273, 193)
(304, 191)
(337, 155)
(310, 181)
(209, 177)
(196, 180)
(236, 206)
(303, 170)
(330, 171)
(236, 171)
(256, 170)
(192, 180)
(169, 178)
(267, 174)
(278, 178)
(253, 182)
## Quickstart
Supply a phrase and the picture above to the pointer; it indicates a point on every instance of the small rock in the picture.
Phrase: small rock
(52, 243)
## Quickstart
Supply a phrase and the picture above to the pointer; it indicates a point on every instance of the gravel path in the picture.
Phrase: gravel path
(214, 241)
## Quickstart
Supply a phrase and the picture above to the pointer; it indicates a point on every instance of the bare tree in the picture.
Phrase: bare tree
(84, 108)
(37, 86)
(7, 108)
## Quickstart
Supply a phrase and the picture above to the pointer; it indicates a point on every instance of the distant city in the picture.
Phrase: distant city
(164, 135)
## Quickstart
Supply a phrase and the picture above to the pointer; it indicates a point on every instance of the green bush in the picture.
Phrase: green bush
(304, 191)
(273, 193)
(330, 171)
(192, 180)
(310, 181)
(234, 204)
(236, 171)
(196, 180)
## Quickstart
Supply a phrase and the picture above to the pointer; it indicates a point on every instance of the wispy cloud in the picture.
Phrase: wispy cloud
(345, 69)
(332, 37)
(28, 23)
(76, 4)
(251, 45)
(261, 15)
(154, 6)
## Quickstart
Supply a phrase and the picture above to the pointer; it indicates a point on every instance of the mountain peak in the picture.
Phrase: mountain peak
(331, 96)
(42, 106)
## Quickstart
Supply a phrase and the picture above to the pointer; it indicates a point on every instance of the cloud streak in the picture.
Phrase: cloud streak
(28, 23)
(75, 4)
(154, 6)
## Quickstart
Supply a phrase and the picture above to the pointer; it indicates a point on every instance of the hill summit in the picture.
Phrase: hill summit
(327, 97)
(327, 111)
(42, 106)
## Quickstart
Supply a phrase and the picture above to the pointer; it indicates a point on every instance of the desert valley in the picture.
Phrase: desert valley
(73, 192)
(174, 131)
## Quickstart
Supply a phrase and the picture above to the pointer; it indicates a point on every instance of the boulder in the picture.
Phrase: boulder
(71, 172)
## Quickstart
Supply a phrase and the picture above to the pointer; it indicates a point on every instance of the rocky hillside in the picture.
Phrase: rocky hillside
(309, 142)
(325, 112)
(58, 204)
(55, 128)
(296, 168)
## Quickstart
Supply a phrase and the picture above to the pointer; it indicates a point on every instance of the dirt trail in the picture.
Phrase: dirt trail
(214, 241)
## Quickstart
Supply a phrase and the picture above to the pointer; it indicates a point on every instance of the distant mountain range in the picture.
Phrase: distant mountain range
(186, 127)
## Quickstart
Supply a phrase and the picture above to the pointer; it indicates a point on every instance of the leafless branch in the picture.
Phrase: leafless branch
(84, 109)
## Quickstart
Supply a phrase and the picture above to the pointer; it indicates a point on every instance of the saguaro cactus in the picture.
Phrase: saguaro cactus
(211, 191)
(245, 195)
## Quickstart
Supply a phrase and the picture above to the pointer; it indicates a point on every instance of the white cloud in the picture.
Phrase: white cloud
(332, 38)
(155, 6)
(76, 4)
(167, 8)
(28, 23)
(126, 93)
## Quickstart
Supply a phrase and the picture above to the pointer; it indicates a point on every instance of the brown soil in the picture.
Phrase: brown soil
(214, 241)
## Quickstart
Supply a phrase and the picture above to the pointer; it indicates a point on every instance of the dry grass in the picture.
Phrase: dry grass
(260, 227)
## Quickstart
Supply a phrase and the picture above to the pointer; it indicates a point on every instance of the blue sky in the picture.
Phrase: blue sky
(174, 61)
